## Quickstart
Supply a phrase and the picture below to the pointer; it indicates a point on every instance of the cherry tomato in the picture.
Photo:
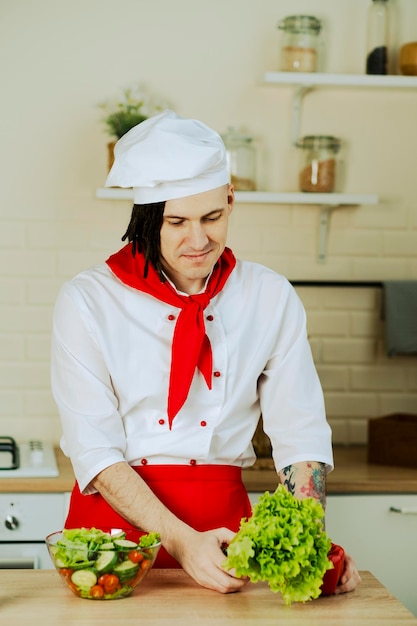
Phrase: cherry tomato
(66, 572)
(97, 592)
(145, 565)
(111, 583)
(135, 556)
(102, 580)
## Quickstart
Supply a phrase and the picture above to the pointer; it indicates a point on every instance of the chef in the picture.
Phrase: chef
(165, 356)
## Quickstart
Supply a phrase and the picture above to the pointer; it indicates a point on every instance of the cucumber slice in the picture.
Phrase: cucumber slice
(106, 560)
(125, 570)
(84, 578)
(125, 544)
(120, 535)
(81, 565)
(107, 546)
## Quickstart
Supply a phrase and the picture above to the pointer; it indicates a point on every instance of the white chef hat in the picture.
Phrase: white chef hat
(167, 157)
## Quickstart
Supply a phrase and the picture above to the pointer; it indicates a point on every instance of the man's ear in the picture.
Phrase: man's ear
(231, 197)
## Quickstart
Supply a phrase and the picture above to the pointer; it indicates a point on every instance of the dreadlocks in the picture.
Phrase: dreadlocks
(144, 232)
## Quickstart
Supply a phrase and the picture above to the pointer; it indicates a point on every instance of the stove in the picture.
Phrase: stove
(26, 518)
(31, 459)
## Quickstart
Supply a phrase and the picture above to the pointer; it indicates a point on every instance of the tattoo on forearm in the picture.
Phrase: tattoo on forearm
(306, 480)
(289, 478)
(316, 485)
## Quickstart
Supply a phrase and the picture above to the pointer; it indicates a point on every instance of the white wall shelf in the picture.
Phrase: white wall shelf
(303, 82)
(306, 81)
(327, 201)
(267, 197)
(316, 79)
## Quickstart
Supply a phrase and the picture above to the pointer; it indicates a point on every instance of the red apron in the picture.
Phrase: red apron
(203, 496)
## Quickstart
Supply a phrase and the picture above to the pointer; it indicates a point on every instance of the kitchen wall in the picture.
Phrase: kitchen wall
(59, 60)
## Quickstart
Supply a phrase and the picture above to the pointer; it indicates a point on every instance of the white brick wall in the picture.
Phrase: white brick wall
(54, 156)
(359, 381)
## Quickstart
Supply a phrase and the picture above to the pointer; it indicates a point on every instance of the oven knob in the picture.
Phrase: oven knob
(11, 522)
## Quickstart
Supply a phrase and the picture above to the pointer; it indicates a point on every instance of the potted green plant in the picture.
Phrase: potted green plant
(123, 113)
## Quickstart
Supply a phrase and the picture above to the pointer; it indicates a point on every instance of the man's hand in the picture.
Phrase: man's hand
(350, 578)
(201, 556)
(308, 480)
(199, 553)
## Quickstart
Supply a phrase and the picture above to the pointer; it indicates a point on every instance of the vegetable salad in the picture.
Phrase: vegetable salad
(99, 565)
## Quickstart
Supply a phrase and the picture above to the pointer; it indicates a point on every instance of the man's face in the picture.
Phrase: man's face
(193, 236)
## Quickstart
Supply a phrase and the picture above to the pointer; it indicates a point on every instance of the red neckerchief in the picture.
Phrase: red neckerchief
(190, 345)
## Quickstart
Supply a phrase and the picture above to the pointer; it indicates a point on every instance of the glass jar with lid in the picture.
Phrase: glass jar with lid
(378, 38)
(319, 162)
(299, 43)
(241, 159)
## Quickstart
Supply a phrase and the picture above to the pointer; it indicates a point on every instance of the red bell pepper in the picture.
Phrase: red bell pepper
(332, 576)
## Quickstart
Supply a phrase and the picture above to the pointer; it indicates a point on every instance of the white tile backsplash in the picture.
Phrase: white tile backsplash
(52, 225)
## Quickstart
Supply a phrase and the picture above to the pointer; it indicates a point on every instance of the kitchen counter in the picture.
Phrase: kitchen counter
(171, 597)
(61, 484)
(352, 474)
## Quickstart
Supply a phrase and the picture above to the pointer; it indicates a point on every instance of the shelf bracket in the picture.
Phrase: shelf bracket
(324, 225)
(297, 102)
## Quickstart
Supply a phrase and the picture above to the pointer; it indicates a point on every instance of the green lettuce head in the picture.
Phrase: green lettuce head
(283, 543)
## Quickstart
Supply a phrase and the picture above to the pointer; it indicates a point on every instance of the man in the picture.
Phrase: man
(165, 357)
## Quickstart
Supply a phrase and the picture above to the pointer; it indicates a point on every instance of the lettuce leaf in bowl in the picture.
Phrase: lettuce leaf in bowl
(283, 543)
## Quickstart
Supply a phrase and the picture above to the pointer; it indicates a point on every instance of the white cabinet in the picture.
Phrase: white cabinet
(25, 520)
(379, 539)
(31, 516)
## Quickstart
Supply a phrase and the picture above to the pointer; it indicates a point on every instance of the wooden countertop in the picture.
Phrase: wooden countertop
(62, 483)
(352, 474)
(39, 597)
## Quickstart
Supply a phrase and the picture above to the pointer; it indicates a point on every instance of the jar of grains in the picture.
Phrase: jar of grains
(299, 43)
(241, 160)
(319, 154)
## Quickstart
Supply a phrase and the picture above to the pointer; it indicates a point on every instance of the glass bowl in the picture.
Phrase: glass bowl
(102, 564)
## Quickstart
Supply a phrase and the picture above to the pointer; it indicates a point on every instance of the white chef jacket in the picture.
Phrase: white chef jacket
(111, 355)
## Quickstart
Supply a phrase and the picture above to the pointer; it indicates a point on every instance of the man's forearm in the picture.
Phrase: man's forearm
(199, 553)
(305, 480)
(129, 495)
